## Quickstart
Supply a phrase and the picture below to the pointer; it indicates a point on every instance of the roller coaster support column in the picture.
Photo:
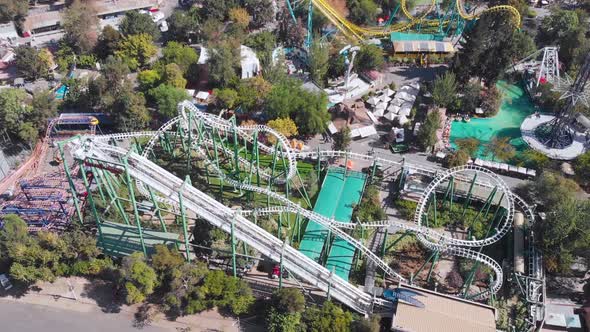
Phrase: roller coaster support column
(91, 201)
(319, 167)
(486, 206)
(190, 141)
(233, 243)
(373, 169)
(468, 199)
(281, 264)
(448, 191)
(75, 198)
(424, 264)
(99, 184)
(434, 261)
(309, 39)
(134, 204)
(114, 196)
(183, 218)
(272, 172)
(157, 209)
(397, 240)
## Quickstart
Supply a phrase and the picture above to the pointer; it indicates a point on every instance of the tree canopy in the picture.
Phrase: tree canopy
(444, 90)
(33, 63)
(318, 62)
(13, 10)
(136, 50)
(500, 148)
(427, 133)
(369, 57)
(167, 98)
(80, 24)
(135, 23)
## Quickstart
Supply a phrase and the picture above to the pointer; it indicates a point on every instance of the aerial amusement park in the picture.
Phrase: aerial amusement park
(375, 230)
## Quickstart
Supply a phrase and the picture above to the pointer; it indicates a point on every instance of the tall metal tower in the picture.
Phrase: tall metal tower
(557, 133)
(547, 69)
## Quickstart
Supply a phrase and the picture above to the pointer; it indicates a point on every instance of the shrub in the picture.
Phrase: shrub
(406, 208)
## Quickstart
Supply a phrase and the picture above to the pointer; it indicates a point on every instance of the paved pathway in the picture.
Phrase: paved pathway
(26, 317)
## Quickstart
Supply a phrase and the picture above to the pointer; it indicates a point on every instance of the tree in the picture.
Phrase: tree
(582, 167)
(80, 25)
(262, 12)
(212, 31)
(45, 108)
(173, 76)
(136, 50)
(368, 58)
(13, 110)
(136, 23)
(573, 48)
(240, 17)
(318, 62)
(487, 49)
(166, 260)
(148, 79)
(363, 11)
(342, 139)
(500, 148)
(532, 159)
(264, 44)
(336, 67)
(13, 10)
(185, 295)
(491, 101)
(471, 97)
(139, 279)
(457, 158)
(218, 9)
(108, 42)
(284, 126)
(285, 311)
(469, 145)
(291, 33)
(226, 98)
(556, 26)
(227, 292)
(129, 110)
(183, 25)
(328, 318)
(427, 134)
(182, 55)
(444, 90)
(252, 92)
(31, 62)
(224, 63)
(372, 324)
(288, 300)
(167, 98)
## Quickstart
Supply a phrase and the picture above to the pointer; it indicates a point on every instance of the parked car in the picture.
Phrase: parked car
(164, 26)
(157, 16)
(5, 282)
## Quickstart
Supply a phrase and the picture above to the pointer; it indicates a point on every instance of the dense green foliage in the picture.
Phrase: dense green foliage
(135, 23)
(46, 255)
(444, 90)
(341, 140)
(427, 133)
(561, 234)
(369, 209)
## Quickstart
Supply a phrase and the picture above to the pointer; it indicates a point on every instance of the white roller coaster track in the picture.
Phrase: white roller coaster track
(148, 174)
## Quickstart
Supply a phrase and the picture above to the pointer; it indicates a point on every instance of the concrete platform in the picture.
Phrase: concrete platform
(527, 129)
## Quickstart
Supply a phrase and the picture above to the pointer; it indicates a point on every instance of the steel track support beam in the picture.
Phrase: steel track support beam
(468, 199)
(75, 197)
(91, 201)
(134, 205)
(183, 218)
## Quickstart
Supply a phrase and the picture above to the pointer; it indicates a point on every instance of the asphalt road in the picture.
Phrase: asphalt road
(21, 317)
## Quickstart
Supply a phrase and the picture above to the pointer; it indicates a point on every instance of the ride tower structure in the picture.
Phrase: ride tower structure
(558, 133)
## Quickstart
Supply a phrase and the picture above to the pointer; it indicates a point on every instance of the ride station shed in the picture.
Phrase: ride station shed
(421, 310)
(415, 45)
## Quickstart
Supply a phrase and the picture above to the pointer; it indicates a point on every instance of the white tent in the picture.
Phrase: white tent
(372, 117)
(393, 108)
(389, 116)
(409, 90)
(385, 98)
(388, 92)
(381, 105)
(397, 102)
(373, 101)
(405, 96)
(407, 104)
(378, 112)
(402, 119)
(405, 111)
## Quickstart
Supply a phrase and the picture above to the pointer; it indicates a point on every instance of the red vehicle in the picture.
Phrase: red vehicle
(276, 270)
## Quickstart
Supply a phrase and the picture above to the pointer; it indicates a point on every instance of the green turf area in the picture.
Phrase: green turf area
(516, 106)
(315, 234)
(336, 200)
(342, 252)
(122, 240)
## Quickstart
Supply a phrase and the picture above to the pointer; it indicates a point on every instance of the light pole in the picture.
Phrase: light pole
(348, 62)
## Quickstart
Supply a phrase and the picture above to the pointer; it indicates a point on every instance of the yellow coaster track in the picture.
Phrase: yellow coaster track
(355, 32)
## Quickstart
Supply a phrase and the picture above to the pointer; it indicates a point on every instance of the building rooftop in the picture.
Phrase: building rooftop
(107, 7)
(42, 20)
(441, 313)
